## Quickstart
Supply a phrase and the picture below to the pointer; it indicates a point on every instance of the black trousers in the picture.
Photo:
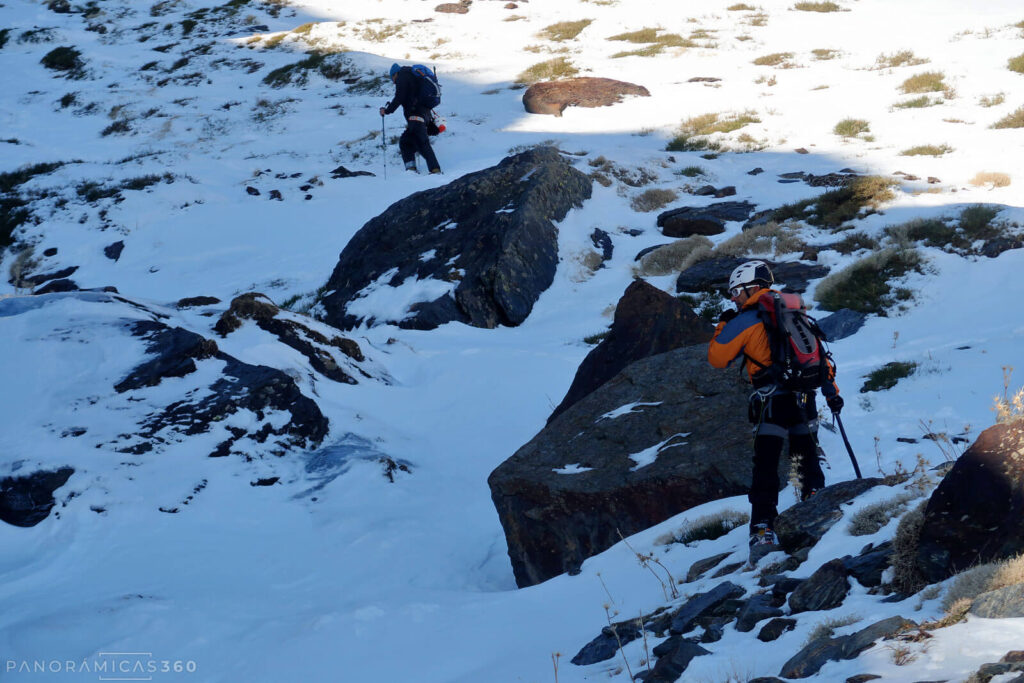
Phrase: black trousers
(414, 140)
(776, 417)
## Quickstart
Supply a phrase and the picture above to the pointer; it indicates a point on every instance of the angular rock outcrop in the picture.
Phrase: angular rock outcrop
(479, 250)
(962, 528)
(319, 349)
(27, 500)
(812, 657)
(713, 275)
(552, 97)
(172, 352)
(702, 220)
(665, 434)
(825, 589)
(803, 525)
(647, 322)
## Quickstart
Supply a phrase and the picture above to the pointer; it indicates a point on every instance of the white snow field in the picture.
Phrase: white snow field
(336, 573)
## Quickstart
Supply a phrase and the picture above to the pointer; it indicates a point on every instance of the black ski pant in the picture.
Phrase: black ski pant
(414, 140)
(777, 416)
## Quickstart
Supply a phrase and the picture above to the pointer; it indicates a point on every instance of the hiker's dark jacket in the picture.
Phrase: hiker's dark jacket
(746, 336)
(406, 95)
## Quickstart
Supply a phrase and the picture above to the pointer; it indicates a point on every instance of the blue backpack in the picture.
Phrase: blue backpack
(429, 90)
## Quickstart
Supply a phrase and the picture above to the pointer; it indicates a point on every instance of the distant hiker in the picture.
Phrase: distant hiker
(768, 331)
(417, 92)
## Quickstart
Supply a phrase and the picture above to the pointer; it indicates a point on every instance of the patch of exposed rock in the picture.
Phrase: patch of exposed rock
(552, 97)
(647, 322)
(318, 348)
(660, 437)
(481, 249)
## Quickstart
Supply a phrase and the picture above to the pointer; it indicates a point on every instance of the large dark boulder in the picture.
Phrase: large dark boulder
(647, 322)
(552, 97)
(674, 655)
(702, 220)
(27, 500)
(667, 433)
(486, 243)
(713, 274)
(976, 514)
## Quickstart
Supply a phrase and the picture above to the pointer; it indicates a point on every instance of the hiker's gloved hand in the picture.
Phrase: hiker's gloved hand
(835, 403)
(727, 315)
(383, 111)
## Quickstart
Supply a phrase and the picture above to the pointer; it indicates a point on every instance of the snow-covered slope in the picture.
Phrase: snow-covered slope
(337, 572)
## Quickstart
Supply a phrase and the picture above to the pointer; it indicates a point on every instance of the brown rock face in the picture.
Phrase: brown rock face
(976, 514)
(647, 322)
(454, 7)
(667, 433)
(552, 97)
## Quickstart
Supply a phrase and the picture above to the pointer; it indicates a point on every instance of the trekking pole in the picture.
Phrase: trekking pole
(384, 146)
(849, 449)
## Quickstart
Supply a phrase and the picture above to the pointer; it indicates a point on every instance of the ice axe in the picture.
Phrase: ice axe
(849, 449)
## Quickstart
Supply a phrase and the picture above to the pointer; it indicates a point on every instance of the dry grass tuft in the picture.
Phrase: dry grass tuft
(774, 59)
(652, 199)
(675, 257)
(994, 179)
(851, 128)
(1012, 120)
(970, 584)
(551, 70)
(693, 132)
(926, 150)
(864, 285)
(871, 518)
(817, 7)
(897, 59)
(771, 239)
(711, 527)
(928, 81)
(907, 578)
(565, 30)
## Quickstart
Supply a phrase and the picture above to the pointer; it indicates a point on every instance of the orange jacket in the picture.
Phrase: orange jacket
(746, 336)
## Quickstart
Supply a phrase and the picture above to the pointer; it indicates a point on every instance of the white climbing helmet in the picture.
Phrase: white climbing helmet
(750, 274)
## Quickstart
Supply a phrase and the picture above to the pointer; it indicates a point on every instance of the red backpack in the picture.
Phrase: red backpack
(800, 361)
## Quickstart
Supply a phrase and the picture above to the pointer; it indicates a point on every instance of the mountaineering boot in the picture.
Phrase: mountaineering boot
(435, 171)
(411, 166)
(762, 541)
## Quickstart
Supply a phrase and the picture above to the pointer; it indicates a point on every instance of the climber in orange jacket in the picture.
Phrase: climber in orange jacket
(775, 412)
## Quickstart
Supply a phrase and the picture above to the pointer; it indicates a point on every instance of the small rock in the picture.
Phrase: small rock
(801, 150)
(825, 589)
(862, 678)
(113, 251)
(842, 324)
(252, 190)
(276, 194)
(61, 285)
(700, 567)
(932, 180)
(52, 251)
(727, 569)
(684, 618)
(755, 171)
(674, 655)
(703, 79)
(193, 301)
(775, 628)
(757, 608)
